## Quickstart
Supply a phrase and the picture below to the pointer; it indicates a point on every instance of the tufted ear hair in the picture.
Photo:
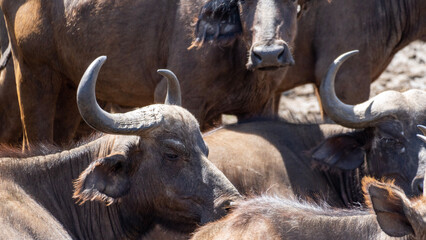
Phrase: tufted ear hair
(343, 151)
(218, 22)
(389, 203)
(105, 179)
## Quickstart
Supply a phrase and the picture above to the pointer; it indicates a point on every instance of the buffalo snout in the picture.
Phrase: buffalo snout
(222, 206)
(270, 57)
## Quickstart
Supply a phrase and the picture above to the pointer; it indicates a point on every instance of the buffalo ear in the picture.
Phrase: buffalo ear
(389, 202)
(219, 21)
(342, 151)
(106, 179)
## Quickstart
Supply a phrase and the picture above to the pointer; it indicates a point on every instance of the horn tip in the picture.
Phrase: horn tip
(166, 72)
(101, 59)
(163, 71)
(353, 52)
(423, 138)
(345, 56)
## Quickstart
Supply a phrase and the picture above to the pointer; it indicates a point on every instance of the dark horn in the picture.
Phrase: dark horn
(119, 123)
(173, 96)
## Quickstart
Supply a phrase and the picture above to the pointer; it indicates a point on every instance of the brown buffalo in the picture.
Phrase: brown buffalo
(286, 218)
(326, 160)
(153, 169)
(53, 42)
(379, 29)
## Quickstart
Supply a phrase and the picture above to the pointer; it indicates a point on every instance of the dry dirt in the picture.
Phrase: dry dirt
(406, 71)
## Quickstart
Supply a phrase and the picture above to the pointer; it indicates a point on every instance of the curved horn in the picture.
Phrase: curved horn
(173, 96)
(353, 116)
(120, 123)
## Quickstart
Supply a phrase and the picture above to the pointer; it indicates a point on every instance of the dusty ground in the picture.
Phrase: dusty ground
(406, 71)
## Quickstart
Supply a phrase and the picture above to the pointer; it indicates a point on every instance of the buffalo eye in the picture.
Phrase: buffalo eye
(174, 150)
(394, 143)
(172, 156)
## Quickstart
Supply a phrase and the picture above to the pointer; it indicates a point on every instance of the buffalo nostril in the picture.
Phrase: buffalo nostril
(281, 54)
(271, 56)
(417, 185)
(228, 205)
(257, 57)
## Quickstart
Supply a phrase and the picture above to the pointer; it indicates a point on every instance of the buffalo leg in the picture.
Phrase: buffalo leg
(67, 117)
(10, 124)
(38, 91)
(276, 100)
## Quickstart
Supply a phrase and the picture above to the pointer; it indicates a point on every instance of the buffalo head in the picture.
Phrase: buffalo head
(397, 215)
(156, 167)
(266, 27)
(385, 139)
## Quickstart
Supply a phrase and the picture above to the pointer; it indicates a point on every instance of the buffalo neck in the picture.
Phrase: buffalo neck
(397, 22)
(49, 180)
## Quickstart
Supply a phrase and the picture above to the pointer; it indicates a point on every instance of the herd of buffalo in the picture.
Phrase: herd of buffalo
(100, 140)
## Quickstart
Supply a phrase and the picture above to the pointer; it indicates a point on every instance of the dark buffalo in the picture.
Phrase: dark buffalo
(276, 218)
(326, 160)
(53, 42)
(153, 169)
(379, 29)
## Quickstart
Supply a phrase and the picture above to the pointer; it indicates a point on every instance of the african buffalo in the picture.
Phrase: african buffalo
(379, 29)
(287, 218)
(153, 169)
(327, 161)
(53, 42)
